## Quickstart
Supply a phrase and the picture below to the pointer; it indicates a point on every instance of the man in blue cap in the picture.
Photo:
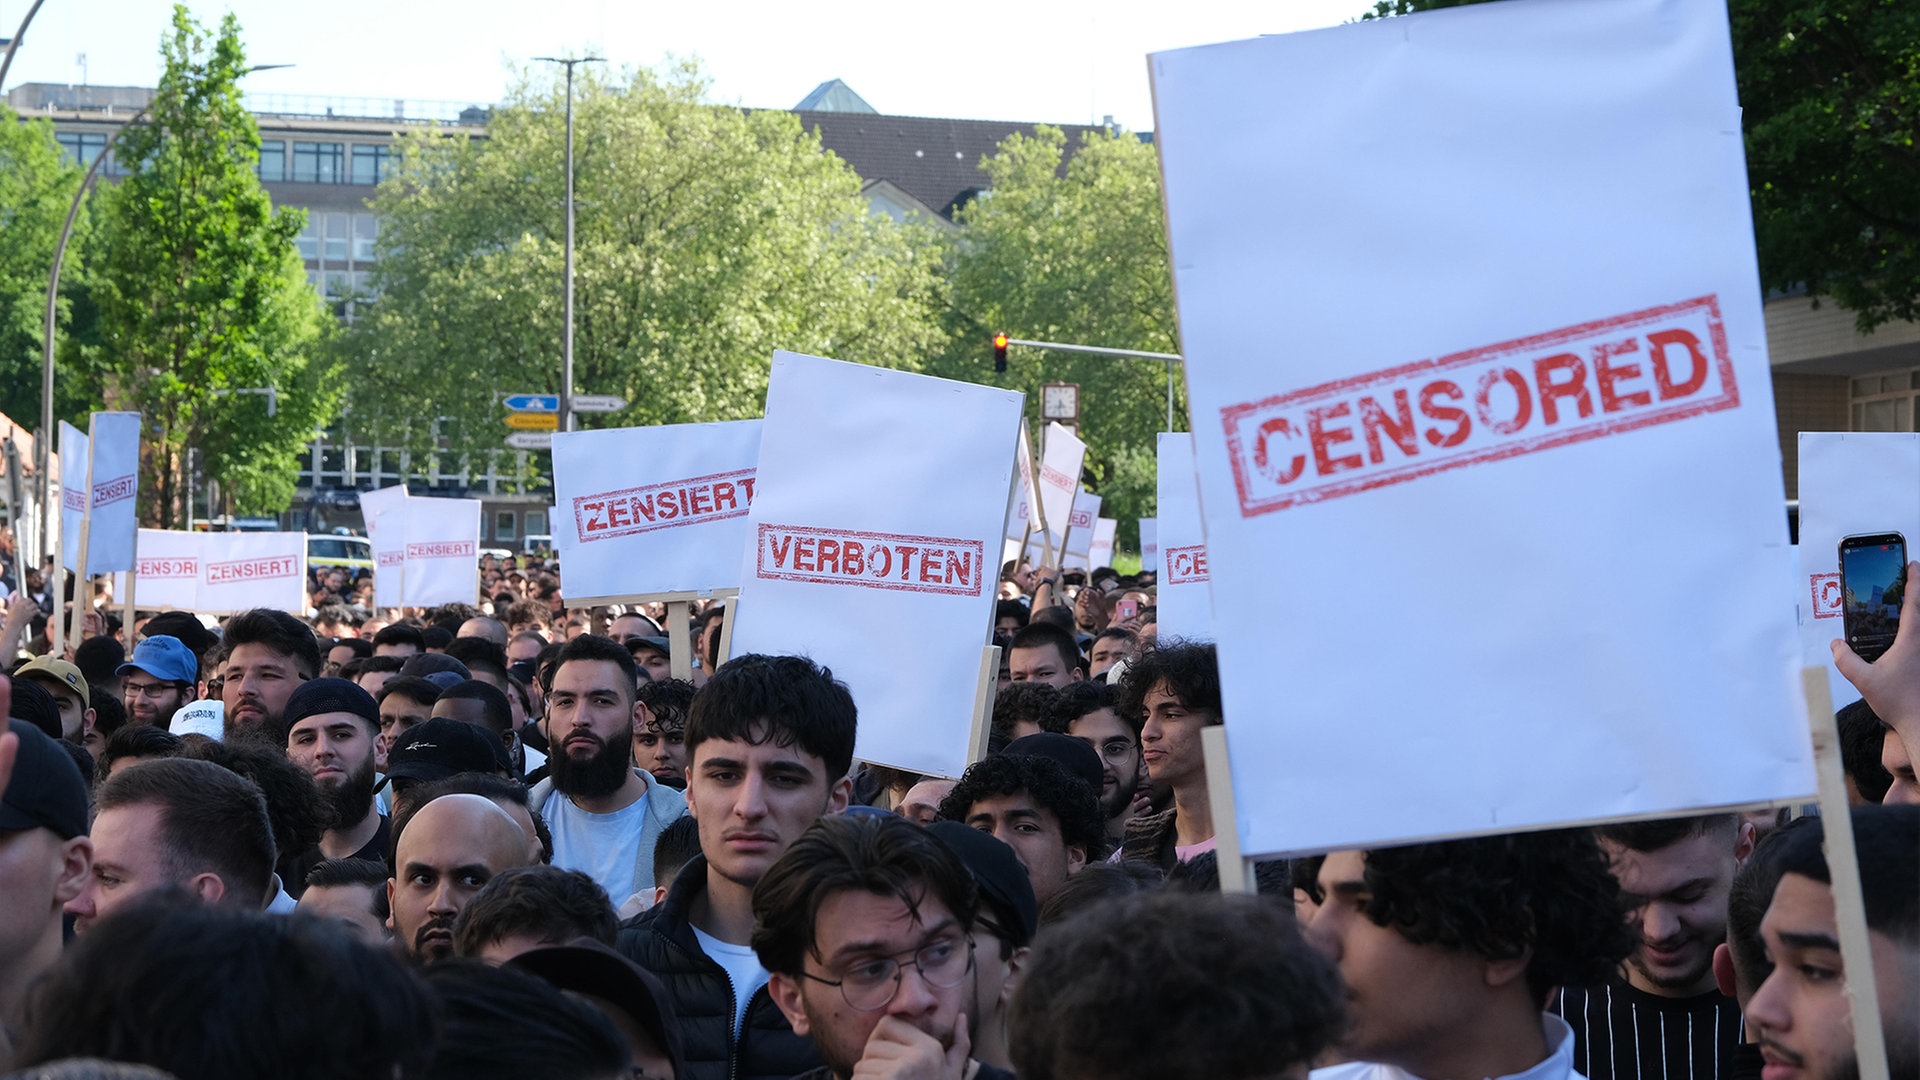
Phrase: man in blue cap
(158, 680)
(45, 857)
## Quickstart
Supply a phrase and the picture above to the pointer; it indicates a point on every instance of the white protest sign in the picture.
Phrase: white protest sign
(1079, 539)
(1061, 456)
(1021, 519)
(442, 552)
(1149, 543)
(650, 510)
(73, 492)
(1101, 553)
(168, 566)
(242, 570)
(1850, 483)
(385, 512)
(1182, 594)
(1561, 423)
(882, 496)
(114, 454)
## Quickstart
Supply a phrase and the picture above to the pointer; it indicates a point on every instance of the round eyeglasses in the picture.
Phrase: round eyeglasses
(872, 983)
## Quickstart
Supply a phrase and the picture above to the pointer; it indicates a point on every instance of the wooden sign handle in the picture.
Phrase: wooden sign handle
(1234, 877)
(679, 640)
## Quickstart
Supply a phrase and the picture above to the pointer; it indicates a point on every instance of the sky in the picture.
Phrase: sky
(1059, 61)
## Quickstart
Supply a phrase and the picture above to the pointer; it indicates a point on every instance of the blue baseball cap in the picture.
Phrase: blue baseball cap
(165, 658)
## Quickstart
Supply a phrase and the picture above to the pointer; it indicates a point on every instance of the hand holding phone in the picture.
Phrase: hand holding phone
(1873, 581)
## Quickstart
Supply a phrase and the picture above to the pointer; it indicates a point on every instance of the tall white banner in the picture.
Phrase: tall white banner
(241, 570)
(1512, 441)
(650, 510)
(1182, 594)
(881, 504)
(1022, 518)
(114, 453)
(1061, 457)
(1101, 553)
(385, 512)
(168, 566)
(1079, 539)
(1150, 543)
(73, 493)
(442, 552)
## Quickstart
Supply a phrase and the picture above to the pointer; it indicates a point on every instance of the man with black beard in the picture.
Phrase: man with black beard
(604, 813)
(332, 725)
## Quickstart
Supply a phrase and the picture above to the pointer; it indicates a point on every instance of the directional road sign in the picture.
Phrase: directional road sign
(598, 403)
(533, 402)
(533, 421)
(530, 440)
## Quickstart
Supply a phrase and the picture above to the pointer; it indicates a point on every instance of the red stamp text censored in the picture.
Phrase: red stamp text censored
(927, 564)
(1599, 378)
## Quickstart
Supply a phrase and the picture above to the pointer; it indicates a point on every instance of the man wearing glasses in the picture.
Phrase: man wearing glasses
(1086, 711)
(865, 926)
(158, 680)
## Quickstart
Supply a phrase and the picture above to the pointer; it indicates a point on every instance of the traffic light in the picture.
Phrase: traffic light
(1000, 353)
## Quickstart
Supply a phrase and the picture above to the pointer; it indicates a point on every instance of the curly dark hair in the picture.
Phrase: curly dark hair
(785, 700)
(1047, 783)
(1232, 974)
(1190, 670)
(278, 631)
(1031, 702)
(1076, 701)
(1862, 733)
(1498, 896)
(547, 903)
(668, 700)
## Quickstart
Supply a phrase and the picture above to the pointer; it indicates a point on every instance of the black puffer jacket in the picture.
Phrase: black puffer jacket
(661, 940)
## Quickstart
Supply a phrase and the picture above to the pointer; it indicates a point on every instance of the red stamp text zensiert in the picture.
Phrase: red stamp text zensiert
(267, 566)
(927, 564)
(1566, 386)
(441, 549)
(663, 506)
(1187, 565)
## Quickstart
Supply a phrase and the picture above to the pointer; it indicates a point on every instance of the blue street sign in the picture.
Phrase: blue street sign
(533, 402)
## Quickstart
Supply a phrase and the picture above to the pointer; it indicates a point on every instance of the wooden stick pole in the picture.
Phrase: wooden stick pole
(1843, 870)
(126, 620)
(1234, 877)
(983, 695)
(57, 626)
(679, 640)
(82, 592)
(728, 614)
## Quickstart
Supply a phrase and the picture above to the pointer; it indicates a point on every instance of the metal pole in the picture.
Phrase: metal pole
(7, 62)
(566, 330)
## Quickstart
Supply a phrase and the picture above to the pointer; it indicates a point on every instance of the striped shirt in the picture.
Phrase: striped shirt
(1621, 1033)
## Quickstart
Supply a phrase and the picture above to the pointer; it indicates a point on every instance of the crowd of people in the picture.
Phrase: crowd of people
(504, 840)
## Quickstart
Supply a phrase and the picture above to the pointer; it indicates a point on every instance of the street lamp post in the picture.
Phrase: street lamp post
(14, 42)
(566, 331)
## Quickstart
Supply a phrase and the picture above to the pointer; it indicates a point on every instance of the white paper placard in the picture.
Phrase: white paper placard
(168, 567)
(1850, 483)
(114, 451)
(442, 552)
(1061, 456)
(243, 570)
(882, 497)
(385, 514)
(1149, 543)
(650, 510)
(1024, 496)
(1079, 539)
(73, 493)
(1182, 596)
(1101, 553)
(1553, 433)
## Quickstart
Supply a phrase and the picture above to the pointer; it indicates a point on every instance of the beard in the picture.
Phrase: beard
(345, 804)
(596, 776)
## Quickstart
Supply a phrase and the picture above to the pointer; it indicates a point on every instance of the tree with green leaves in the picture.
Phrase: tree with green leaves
(1078, 255)
(203, 298)
(1830, 100)
(706, 238)
(36, 188)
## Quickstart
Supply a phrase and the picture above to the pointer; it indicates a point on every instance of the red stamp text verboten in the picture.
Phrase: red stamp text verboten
(663, 506)
(1827, 595)
(441, 549)
(1187, 565)
(924, 564)
(271, 566)
(1535, 393)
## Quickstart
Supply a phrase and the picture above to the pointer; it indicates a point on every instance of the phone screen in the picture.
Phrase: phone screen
(1873, 582)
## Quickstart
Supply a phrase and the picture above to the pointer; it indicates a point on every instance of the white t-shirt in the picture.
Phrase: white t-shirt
(1558, 1064)
(605, 847)
(742, 967)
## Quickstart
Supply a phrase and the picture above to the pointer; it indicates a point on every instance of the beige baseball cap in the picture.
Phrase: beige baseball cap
(58, 671)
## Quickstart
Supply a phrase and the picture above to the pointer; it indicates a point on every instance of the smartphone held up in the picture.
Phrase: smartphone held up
(1873, 582)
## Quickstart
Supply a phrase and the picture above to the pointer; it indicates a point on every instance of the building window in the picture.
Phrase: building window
(1885, 402)
(309, 239)
(79, 147)
(318, 163)
(536, 522)
(370, 164)
(338, 224)
(366, 230)
(273, 160)
(503, 525)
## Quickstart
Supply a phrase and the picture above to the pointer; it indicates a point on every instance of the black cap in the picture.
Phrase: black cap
(1003, 881)
(428, 663)
(35, 704)
(1074, 755)
(47, 791)
(330, 695)
(438, 748)
(586, 966)
(181, 625)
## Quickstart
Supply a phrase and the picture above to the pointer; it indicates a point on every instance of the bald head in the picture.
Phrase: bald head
(449, 850)
(482, 627)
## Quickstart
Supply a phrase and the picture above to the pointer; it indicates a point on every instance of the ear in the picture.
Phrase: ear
(76, 862)
(86, 722)
(1501, 973)
(1076, 859)
(1015, 964)
(209, 886)
(840, 795)
(1744, 842)
(642, 716)
(1723, 968)
(390, 926)
(785, 992)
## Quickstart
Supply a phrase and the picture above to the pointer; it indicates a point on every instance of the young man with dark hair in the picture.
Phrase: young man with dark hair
(769, 743)
(332, 727)
(1165, 984)
(444, 853)
(485, 707)
(529, 617)
(45, 858)
(269, 653)
(373, 673)
(1033, 805)
(1740, 963)
(1863, 738)
(1020, 710)
(406, 701)
(1170, 694)
(529, 907)
(550, 1034)
(866, 926)
(177, 823)
(70, 692)
(1801, 1012)
(1110, 647)
(1089, 711)
(132, 744)
(605, 814)
(158, 680)
(1008, 616)
(1664, 1010)
(1450, 949)
(659, 738)
(679, 844)
(351, 891)
(1044, 652)
(399, 639)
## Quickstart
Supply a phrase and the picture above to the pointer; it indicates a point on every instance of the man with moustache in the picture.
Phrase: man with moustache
(605, 814)
(269, 654)
(332, 726)
(158, 680)
(445, 853)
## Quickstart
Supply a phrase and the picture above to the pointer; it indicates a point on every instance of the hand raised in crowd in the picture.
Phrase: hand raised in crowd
(897, 1050)
(1891, 684)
